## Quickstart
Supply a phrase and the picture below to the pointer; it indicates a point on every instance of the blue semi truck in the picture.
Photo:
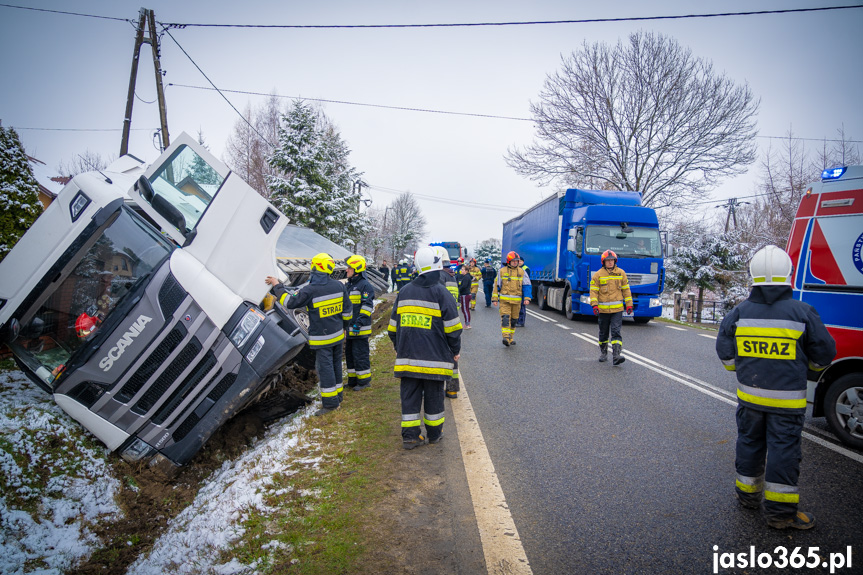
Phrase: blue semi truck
(562, 238)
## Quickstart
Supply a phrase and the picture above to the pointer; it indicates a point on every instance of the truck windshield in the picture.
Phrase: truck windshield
(187, 182)
(112, 264)
(640, 243)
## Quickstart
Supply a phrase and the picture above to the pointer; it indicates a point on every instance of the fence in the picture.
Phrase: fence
(685, 308)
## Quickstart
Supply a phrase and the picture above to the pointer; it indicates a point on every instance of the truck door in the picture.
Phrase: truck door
(213, 215)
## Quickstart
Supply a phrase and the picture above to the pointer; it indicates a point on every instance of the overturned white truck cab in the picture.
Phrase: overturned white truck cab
(135, 300)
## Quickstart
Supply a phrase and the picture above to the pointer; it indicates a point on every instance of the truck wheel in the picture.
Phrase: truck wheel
(542, 297)
(843, 407)
(641, 319)
(567, 305)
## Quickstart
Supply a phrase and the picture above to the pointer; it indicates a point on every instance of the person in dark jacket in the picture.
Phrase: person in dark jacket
(464, 296)
(426, 332)
(385, 271)
(488, 276)
(404, 274)
(770, 340)
(448, 280)
(522, 313)
(329, 307)
(362, 296)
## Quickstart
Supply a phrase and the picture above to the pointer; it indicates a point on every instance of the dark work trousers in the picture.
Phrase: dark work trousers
(522, 314)
(357, 360)
(464, 300)
(426, 396)
(328, 364)
(773, 438)
(453, 383)
(487, 288)
(611, 321)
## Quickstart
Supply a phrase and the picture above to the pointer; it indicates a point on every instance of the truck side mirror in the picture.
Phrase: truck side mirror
(145, 188)
(570, 244)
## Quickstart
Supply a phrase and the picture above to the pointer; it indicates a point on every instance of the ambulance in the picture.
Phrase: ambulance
(826, 249)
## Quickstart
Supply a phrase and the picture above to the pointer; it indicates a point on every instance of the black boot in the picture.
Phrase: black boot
(616, 358)
(603, 352)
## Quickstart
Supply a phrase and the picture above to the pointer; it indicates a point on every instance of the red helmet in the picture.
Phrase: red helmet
(512, 256)
(609, 254)
(85, 324)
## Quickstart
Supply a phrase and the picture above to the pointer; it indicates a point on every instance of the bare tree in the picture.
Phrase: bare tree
(252, 141)
(86, 162)
(406, 225)
(645, 116)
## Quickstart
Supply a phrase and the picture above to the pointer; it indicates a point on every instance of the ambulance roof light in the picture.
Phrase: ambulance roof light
(833, 173)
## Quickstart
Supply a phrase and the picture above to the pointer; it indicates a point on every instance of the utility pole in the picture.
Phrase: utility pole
(148, 18)
(731, 205)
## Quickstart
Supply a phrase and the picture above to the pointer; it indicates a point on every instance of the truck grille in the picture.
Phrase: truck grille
(193, 419)
(152, 363)
(169, 376)
(190, 383)
(171, 295)
(642, 279)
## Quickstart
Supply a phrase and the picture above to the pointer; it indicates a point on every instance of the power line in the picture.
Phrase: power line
(525, 23)
(80, 129)
(66, 13)
(403, 108)
(440, 200)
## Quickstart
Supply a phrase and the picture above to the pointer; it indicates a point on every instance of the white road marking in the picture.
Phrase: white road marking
(563, 326)
(501, 543)
(715, 392)
(707, 336)
(540, 317)
(675, 327)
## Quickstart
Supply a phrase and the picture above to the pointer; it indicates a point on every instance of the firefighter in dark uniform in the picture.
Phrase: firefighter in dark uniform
(488, 276)
(426, 332)
(359, 324)
(326, 301)
(770, 340)
(447, 280)
(403, 274)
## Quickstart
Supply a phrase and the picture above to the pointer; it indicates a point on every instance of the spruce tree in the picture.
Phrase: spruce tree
(19, 192)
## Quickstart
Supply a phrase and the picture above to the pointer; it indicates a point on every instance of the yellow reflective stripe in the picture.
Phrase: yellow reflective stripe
(363, 375)
(434, 421)
(785, 332)
(731, 367)
(392, 328)
(416, 369)
(451, 329)
(318, 342)
(355, 298)
(283, 298)
(365, 312)
(748, 488)
(329, 393)
(510, 297)
(418, 309)
(332, 301)
(414, 423)
(815, 367)
(776, 279)
(772, 401)
(782, 497)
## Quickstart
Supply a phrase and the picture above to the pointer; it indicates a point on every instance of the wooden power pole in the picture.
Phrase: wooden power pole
(145, 18)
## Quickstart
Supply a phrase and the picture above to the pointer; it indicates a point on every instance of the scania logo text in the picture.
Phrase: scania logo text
(125, 341)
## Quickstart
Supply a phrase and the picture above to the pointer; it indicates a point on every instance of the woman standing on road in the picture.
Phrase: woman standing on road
(465, 280)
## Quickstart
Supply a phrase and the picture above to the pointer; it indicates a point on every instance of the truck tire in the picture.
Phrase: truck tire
(641, 319)
(567, 305)
(542, 297)
(843, 408)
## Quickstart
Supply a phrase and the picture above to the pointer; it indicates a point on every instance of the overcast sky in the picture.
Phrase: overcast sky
(63, 74)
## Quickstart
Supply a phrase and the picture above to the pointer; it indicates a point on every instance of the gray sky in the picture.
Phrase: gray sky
(70, 72)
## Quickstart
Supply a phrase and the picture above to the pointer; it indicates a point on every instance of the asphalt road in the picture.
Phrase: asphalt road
(630, 469)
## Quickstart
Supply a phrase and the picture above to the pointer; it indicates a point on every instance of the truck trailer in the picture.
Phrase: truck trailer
(135, 299)
(562, 238)
(826, 249)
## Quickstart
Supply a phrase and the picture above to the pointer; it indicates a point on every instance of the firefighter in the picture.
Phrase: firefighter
(326, 301)
(609, 295)
(426, 332)
(476, 274)
(512, 288)
(488, 275)
(359, 324)
(447, 279)
(522, 314)
(770, 340)
(403, 274)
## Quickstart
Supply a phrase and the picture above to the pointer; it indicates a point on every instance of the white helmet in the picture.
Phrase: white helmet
(427, 260)
(442, 253)
(770, 266)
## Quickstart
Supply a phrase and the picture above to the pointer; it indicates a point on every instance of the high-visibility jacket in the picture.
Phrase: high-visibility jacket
(770, 340)
(511, 284)
(403, 274)
(328, 306)
(362, 296)
(609, 290)
(447, 280)
(476, 274)
(425, 329)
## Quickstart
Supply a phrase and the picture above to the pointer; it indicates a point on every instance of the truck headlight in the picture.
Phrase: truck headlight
(655, 302)
(246, 327)
(585, 299)
(253, 353)
(136, 451)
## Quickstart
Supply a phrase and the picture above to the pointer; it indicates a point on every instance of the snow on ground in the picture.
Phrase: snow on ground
(45, 521)
(214, 520)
